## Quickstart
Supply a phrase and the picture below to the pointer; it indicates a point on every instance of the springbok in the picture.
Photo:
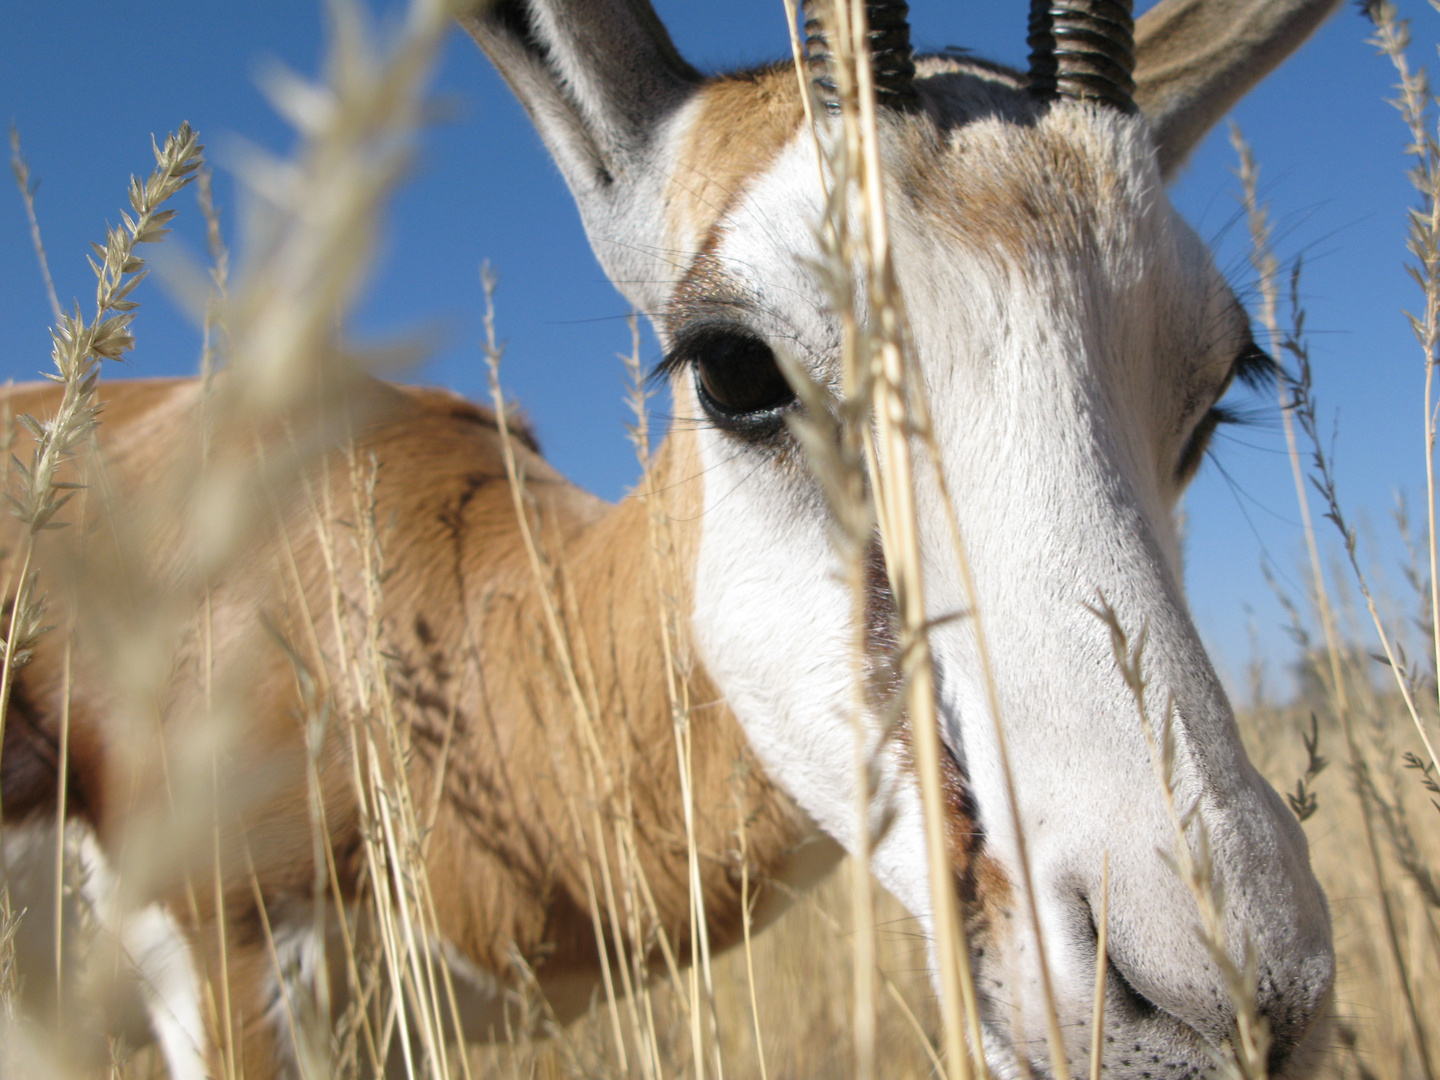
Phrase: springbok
(1073, 336)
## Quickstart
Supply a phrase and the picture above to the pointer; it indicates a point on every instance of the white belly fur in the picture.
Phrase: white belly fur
(131, 974)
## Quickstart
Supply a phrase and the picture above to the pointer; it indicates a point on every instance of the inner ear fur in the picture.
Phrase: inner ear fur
(599, 79)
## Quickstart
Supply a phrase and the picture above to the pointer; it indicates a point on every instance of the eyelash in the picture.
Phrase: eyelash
(1256, 370)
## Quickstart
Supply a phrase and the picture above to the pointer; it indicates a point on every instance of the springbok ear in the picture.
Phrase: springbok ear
(1197, 58)
(599, 79)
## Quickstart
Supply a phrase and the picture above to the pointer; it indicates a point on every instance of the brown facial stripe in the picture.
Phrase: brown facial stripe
(983, 888)
(745, 118)
(742, 123)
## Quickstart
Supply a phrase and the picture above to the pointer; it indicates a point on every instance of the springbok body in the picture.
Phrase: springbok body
(1073, 337)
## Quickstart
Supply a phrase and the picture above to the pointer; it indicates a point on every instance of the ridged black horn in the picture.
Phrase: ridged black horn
(1083, 49)
(890, 53)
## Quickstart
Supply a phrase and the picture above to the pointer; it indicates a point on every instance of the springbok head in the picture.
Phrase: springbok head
(1073, 336)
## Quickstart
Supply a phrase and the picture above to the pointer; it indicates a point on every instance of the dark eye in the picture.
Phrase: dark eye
(738, 380)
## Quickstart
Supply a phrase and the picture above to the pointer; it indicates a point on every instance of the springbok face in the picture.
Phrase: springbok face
(1073, 335)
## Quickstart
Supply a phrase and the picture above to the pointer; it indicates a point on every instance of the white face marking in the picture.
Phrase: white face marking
(1063, 374)
(787, 667)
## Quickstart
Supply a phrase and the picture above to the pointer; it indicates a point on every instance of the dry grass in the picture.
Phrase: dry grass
(1373, 1033)
(1372, 708)
(804, 989)
(839, 986)
(773, 1008)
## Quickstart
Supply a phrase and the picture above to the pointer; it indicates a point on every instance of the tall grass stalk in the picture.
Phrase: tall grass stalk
(621, 877)
(902, 412)
(885, 406)
(1297, 403)
(668, 577)
(834, 435)
(1392, 39)
(276, 332)
(666, 571)
(836, 448)
(745, 915)
(1102, 963)
(808, 101)
(21, 168)
(1267, 270)
(79, 346)
(583, 700)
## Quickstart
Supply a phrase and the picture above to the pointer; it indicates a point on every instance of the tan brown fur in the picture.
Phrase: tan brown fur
(1026, 192)
(462, 620)
(961, 178)
(742, 122)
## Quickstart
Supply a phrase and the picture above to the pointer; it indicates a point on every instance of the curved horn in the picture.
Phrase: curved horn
(890, 54)
(1083, 49)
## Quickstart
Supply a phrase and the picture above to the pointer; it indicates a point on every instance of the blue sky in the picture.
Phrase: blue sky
(88, 82)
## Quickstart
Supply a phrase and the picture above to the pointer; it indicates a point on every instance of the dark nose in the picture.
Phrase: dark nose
(1290, 996)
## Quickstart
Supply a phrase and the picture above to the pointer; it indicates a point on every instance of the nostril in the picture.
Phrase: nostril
(1137, 1006)
(1176, 1013)
(1120, 991)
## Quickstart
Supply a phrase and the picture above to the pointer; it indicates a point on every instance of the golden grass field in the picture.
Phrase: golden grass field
(1372, 826)
(804, 975)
